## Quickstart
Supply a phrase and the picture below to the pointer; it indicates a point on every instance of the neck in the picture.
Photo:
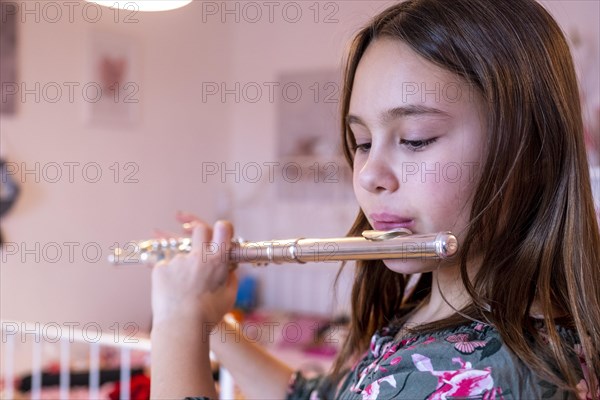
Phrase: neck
(447, 295)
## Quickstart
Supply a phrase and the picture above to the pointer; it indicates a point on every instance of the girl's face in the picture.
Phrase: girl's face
(420, 134)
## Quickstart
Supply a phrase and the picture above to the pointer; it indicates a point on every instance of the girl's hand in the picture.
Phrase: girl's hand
(198, 285)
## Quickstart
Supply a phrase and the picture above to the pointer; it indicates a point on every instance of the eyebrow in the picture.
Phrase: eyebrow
(399, 112)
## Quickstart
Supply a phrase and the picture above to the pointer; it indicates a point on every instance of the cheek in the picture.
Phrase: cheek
(358, 189)
(355, 187)
(444, 200)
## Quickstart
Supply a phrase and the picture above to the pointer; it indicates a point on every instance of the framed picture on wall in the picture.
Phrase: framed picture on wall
(9, 87)
(112, 94)
(309, 148)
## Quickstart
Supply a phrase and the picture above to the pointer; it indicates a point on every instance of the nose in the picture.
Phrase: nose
(377, 175)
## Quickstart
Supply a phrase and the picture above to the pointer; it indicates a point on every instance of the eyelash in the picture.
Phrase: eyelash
(412, 145)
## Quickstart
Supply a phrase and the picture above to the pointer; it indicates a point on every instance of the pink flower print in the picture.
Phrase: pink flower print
(463, 382)
(407, 341)
(373, 342)
(463, 344)
(390, 351)
(491, 395)
(372, 390)
(426, 342)
(379, 347)
(395, 360)
(374, 366)
(479, 327)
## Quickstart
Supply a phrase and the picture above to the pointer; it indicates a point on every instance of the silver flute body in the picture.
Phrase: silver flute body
(372, 245)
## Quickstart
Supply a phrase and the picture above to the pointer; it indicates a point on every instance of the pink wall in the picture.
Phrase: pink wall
(179, 53)
(175, 133)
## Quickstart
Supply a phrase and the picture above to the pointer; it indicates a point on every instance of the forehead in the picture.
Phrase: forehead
(391, 74)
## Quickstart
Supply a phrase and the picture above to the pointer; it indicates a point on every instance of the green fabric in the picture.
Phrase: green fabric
(469, 362)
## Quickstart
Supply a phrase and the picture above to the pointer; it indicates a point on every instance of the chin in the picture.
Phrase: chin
(411, 266)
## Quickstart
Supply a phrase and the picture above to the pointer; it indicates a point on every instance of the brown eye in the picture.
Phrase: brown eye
(364, 147)
(417, 145)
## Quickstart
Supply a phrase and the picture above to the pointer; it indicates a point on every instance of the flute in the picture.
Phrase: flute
(372, 245)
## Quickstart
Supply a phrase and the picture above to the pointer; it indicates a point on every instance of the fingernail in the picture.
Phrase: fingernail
(220, 224)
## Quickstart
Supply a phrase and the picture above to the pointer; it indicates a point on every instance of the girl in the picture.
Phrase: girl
(458, 115)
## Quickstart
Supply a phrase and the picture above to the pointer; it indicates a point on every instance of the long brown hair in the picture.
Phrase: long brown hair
(546, 248)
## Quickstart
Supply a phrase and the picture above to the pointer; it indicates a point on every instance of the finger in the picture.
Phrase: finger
(201, 235)
(227, 279)
(188, 227)
(187, 218)
(223, 235)
(226, 282)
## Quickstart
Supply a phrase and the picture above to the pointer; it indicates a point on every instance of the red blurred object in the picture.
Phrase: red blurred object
(139, 388)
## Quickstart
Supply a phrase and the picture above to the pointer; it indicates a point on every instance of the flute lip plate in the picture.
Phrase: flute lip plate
(385, 235)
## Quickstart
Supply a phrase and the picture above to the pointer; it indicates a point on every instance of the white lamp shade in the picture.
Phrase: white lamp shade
(143, 5)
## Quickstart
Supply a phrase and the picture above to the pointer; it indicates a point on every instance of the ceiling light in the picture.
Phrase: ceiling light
(143, 5)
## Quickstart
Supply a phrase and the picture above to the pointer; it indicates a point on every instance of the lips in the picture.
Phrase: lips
(386, 221)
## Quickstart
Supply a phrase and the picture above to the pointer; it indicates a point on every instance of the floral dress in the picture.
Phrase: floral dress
(469, 362)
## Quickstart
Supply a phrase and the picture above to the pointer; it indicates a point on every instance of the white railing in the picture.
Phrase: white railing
(22, 337)
(21, 351)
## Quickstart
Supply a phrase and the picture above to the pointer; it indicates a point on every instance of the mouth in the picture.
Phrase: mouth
(386, 221)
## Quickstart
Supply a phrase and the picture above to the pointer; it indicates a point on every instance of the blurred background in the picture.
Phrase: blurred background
(113, 120)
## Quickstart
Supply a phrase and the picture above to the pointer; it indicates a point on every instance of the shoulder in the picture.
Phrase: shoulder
(467, 361)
